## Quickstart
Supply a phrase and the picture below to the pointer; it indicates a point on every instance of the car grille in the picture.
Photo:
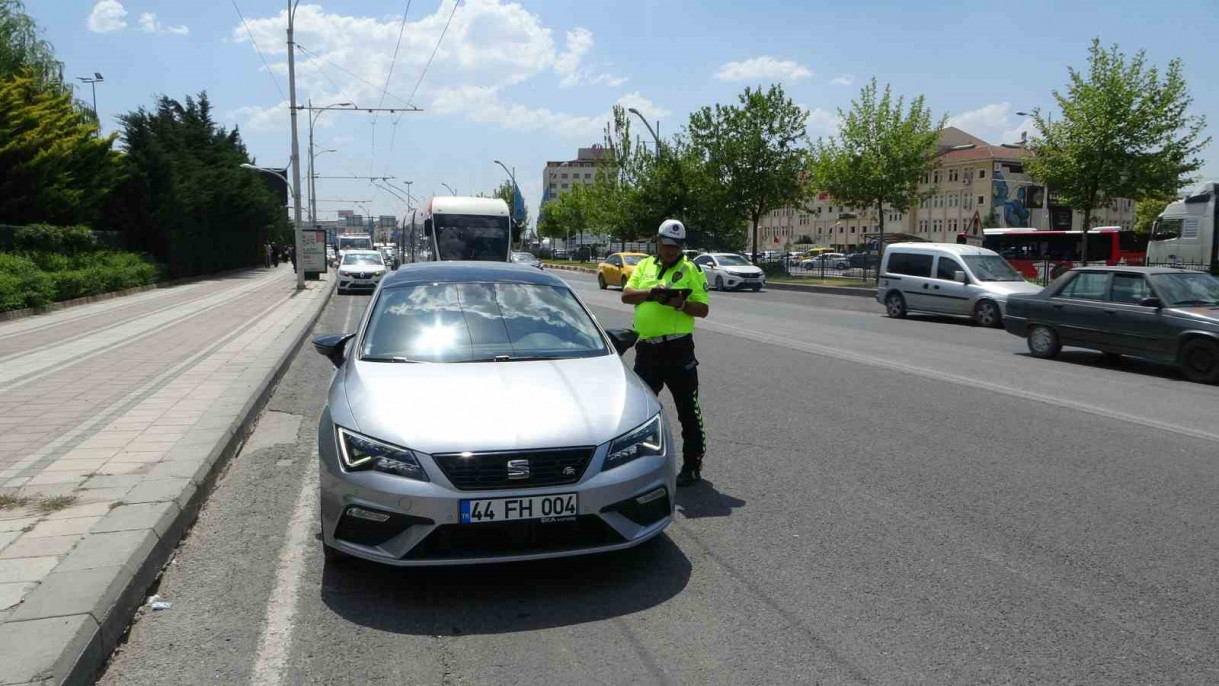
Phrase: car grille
(459, 541)
(485, 471)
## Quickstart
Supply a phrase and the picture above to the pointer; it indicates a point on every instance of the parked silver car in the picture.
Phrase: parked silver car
(727, 270)
(480, 414)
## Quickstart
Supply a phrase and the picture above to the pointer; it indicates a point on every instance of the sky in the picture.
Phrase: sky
(533, 80)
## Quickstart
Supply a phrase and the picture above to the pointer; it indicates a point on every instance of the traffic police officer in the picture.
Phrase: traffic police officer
(668, 292)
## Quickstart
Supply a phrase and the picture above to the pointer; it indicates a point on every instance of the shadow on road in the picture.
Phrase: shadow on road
(493, 599)
(1089, 358)
(704, 500)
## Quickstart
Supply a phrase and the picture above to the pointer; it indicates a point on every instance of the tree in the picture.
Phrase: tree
(880, 154)
(21, 48)
(1148, 209)
(53, 166)
(754, 150)
(504, 192)
(1124, 132)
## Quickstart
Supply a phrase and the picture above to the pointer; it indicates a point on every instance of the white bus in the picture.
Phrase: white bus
(462, 228)
(1187, 232)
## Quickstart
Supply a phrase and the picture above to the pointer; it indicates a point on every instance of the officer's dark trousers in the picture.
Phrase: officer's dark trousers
(673, 364)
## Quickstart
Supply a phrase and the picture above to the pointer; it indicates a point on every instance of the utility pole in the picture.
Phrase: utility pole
(93, 81)
(296, 154)
(512, 208)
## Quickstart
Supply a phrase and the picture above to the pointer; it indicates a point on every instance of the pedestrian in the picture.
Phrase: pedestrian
(292, 254)
(668, 292)
(266, 255)
(275, 255)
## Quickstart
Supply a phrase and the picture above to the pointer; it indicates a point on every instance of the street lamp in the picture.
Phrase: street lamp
(1049, 119)
(93, 81)
(450, 188)
(300, 273)
(511, 208)
(643, 119)
(313, 115)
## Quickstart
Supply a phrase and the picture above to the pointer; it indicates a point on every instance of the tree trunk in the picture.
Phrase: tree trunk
(755, 239)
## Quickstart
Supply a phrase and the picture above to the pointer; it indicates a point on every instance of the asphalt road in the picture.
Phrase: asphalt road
(886, 502)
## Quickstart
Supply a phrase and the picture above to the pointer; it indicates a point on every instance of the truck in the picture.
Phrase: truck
(1186, 234)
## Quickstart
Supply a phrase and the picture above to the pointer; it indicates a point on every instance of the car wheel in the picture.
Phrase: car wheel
(601, 282)
(1200, 361)
(895, 305)
(1111, 359)
(719, 283)
(986, 313)
(1043, 342)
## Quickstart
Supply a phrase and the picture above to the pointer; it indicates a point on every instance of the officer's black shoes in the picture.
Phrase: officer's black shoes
(689, 475)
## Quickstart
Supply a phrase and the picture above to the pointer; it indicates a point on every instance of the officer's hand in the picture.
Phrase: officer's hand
(656, 294)
(677, 302)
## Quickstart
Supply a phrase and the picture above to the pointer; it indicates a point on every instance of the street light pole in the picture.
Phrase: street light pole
(512, 208)
(296, 154)
(93, 81)
(450, 188)
(643, 119)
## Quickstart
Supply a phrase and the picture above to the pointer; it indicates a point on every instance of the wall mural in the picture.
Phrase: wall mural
(1012, 207)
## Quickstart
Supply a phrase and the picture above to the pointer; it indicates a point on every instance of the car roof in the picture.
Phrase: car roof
(949, 248)
(456, 271)
(641, 254)
(1138, 270)
(363, 252)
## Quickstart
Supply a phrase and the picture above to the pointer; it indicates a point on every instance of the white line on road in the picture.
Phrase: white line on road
(276, 640)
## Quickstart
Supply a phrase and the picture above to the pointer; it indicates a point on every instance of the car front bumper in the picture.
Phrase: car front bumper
(348, 283)
(733, 281)
(424, 523)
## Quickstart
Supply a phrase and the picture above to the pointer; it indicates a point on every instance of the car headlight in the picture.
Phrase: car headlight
(358, 453)
(643, 441)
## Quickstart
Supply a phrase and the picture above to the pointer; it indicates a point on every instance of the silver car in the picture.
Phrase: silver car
(725, 270)
(481, 414)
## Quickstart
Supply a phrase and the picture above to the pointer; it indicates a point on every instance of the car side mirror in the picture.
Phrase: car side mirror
(1151, 302)
(333, 346)
(623, 339)
(960, 277)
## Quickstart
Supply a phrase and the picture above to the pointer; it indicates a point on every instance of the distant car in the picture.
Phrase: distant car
(857, 260)
(1164, 315)
(390, 257)
(527, 259)
(725, 270)
(691, 254)
(616, 269)
(360, 270)
(825, 259)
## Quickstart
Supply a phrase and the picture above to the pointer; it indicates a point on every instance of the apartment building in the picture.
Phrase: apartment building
(560, 177)
(976, 184)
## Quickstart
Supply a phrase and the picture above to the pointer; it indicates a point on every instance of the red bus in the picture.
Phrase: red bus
(1043, 255)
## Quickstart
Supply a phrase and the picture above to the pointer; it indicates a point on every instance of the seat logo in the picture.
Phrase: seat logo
(518, 469)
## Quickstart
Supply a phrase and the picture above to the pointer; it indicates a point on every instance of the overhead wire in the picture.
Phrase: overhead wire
(390, 75)
(350, 73)
(260, 56)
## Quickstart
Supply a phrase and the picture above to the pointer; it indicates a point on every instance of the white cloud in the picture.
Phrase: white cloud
(490, 46)
(149, 24)
(822, 123)
(843, 80)
(994, 123)
(764, 67)
(261, 119)
(107, 16)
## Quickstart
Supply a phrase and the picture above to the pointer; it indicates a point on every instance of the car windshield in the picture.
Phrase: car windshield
(732, 261)
(991, 268)
(479, 322)
(471, 237)
(361, 259)
(1187, 290)
(632, 260)
(522, 257)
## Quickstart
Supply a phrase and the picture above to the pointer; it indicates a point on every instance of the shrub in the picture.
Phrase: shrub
(23, 284)
(45, 238)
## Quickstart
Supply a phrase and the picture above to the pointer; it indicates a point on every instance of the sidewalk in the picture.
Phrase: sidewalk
(115, 417)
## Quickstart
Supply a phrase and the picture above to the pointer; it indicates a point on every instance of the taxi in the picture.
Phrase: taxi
(616, 269)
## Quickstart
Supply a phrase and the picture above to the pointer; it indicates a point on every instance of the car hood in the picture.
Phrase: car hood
(483, 406)
(1209, 315)
(743, 270)
(1009, 287)
(361, 268)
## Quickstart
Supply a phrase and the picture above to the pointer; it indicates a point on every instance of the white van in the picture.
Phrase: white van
(1187, 232)
(945, 278)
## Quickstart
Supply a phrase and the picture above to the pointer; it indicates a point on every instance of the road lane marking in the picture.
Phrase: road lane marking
(937, 375)
(275, 643)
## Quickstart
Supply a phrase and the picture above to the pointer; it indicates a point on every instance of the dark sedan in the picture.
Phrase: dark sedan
(1164, 315)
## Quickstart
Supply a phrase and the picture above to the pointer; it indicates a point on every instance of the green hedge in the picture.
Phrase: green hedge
(38, 278)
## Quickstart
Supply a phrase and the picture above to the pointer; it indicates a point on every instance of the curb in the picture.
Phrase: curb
(831, 290)
(95, 650)
(565, 268)
(12, 315)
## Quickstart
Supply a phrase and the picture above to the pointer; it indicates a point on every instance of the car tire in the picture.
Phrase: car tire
(987, 313)
(601, 282)
(895, 306)
(1043, 342)
(1200, 361)
(1111, 359)
(719, 283)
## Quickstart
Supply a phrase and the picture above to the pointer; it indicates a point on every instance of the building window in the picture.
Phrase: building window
(922, 226)
(939, 201)
(981, 173)
(969, 201)
(937, 225)
(952, 226)
(954, 175)
(588, 175)
(923, 203)
(935, 178)
(981, 200)
(565, 186)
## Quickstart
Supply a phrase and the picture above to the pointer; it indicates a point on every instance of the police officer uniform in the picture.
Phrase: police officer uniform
(664, 354)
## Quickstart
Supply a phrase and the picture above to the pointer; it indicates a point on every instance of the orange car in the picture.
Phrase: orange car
(616, 269)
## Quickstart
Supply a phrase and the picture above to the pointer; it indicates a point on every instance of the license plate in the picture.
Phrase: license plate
(558, 507)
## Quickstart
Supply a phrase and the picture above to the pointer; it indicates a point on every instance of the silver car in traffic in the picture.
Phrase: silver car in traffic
(481, 414)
